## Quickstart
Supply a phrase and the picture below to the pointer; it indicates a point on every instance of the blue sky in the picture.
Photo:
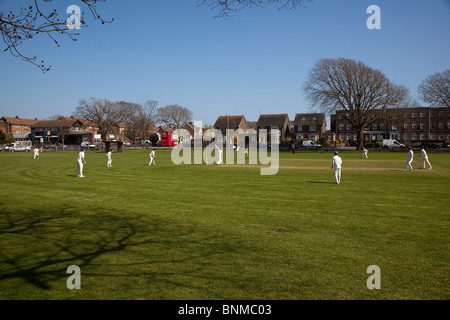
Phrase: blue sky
(255, 62)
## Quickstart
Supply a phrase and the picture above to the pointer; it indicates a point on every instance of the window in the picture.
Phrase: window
(349, 127)
(441, 125)
(448, 124)
(406, 126)
(381, 126)
(422, 136)
(394, 127)
(349, 136)
(433, 136)
(341, 126)
(441, 136)
(414, 125)
(406, 136)
(414, 136)
(341, 136)
(374, 126)
(312, 128)
(17, 131)
(422, 125)
(299, 129)
(17, 126)
(414, 114)
(433, 126)
(76, 129)
(406, 115)
(432, 114)
(422, 114)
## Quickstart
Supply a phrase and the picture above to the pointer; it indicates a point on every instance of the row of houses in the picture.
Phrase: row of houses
(414, 124)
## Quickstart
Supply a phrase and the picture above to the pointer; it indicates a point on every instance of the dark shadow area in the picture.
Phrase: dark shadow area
(39, 245)
(324, 182)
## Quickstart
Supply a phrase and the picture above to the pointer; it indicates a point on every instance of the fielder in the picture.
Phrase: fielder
(152, 157)
(36, 153)
(364, 153)
(424, 158)
(409, 159)
(108, 157)
(336, 163)
(80, 162)
(219, 153)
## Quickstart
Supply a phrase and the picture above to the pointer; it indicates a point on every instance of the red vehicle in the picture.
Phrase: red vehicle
(168, 139)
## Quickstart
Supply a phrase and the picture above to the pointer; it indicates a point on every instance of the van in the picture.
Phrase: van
(392, 144)
(309, 144)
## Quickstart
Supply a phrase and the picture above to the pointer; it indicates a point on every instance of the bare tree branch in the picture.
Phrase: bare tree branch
(30, 21)
(229, 7)
(435, 89)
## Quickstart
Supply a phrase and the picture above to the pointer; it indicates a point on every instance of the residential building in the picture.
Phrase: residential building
(410, 124)
(274, 121)
(19, 128)
(311, 126)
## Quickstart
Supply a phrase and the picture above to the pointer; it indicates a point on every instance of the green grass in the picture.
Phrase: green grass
(223, 232)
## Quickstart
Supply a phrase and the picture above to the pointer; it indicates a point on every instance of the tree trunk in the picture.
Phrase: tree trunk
(360, 139)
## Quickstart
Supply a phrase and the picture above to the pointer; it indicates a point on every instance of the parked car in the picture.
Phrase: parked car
(87, 144)
(430, 145)
(310, 145)
(8, 146)
(20, 148)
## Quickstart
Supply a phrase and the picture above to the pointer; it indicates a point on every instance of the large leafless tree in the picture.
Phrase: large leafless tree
(174, 116)
(37, 18)
(107, 115)
(229, 7)
(435, 89)
(139, 126)
(364, 92)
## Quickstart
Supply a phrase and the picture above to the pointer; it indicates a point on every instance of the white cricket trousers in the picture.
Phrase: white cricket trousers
(80, 169)
(152, 160)
(337, 175)
(422, 160)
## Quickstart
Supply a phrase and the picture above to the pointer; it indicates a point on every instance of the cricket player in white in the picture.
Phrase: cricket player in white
(424, 158)
(36, 153)
(336, 163)
(80, 162)
(219, 155)
(364, 153)
(108, 156)
(152, 157)
(409, 160)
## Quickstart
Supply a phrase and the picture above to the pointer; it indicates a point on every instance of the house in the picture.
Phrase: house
(19, 128)
(410, 124)
(273, 121)
(72, 130)
(224, 123)
(311, 126)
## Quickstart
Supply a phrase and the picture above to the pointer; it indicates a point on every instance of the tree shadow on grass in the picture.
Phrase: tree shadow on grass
(324, 182)
(39, 245)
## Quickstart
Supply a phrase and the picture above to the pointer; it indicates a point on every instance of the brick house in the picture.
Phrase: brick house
(410, 124)
(19, 128)
(274, 121)
(232, 123)
(75, 131)
(311, 126)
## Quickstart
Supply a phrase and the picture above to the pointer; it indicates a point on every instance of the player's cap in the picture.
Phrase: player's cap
(335, 152)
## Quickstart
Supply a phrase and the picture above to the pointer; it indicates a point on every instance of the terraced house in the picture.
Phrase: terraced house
(19, 128)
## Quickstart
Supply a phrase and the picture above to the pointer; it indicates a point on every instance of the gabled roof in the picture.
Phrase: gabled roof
(67, 122)
(21, 121)
(229, 122)
(252, 124)
(309, 119)
(278, 120)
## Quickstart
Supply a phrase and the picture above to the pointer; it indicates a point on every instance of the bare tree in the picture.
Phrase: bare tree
(435, 89)
(174, 116)
(63, 126)
(141, 122)
(105, 114)
(229, 7)
(345, 84)
(32, 20)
